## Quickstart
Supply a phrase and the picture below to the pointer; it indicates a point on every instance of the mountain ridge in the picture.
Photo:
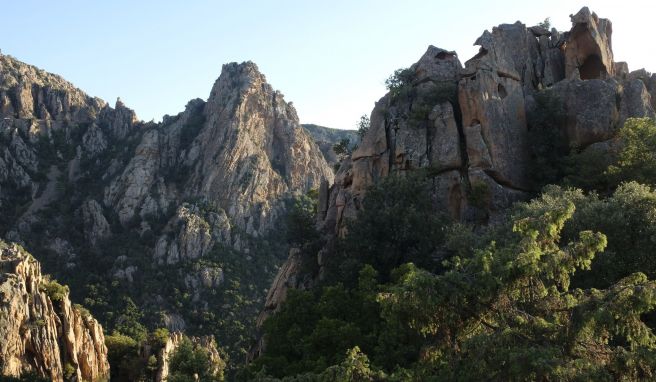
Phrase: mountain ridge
(173, 217)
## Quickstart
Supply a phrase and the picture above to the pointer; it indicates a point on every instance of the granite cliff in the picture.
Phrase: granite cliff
(470, 126)
(42, 332)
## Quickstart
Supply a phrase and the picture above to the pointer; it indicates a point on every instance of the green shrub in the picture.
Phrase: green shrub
(129, 321)
(363, 125)
(343, 147)
(397, 223)
(637, 157)
(27, 377)
(588, 169)
(191, 129)
(159, 337)
(301, 220)
(399, 83)
(479, 194)
(313, 330)
(604, 167)
(189, 364)
(69, 371)
(84, 312)
(54, 290)
(505, 307)
(546, 24)
(123, 357)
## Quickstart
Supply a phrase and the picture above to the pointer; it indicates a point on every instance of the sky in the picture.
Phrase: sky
(330, 58)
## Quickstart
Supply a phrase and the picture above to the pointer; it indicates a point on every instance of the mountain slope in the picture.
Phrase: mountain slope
(326, 138)
(178, 216)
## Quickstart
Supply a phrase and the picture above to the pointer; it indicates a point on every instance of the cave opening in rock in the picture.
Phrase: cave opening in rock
(502, 91)
(593, 68)
(444, 55)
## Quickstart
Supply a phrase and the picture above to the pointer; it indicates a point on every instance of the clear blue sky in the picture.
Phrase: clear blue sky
(329, 57)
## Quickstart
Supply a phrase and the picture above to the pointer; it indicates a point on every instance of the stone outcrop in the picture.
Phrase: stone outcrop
(255, 150)
(479, 139)
(41, 333)
(404, 134)
(96, 227)
(27, 92)
(595, 109)
(45, 120)
(175, 339)
(588, 50)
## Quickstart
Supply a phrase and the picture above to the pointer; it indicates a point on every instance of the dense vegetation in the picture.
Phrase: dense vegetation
(188, 364)
(562, 291)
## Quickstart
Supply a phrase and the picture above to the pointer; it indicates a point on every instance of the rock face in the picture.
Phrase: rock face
(243, 150)
(51, 338)
(483, 136)
(30, 93)
(267, 154)
(326, 138)
(588, 50)
(95, 225)
(45, 120)
(476, 134)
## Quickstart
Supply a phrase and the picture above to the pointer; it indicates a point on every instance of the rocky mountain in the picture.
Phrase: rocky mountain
(42, 332)
(183, 225)
(474, 127)
(176, 216)
(326, 138)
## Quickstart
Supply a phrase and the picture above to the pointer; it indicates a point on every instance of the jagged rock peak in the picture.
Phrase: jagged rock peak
(238, 77)
(250, 128)
(243, 151)
(239, 80)
(437, 64)
(589, 49)
(244, 69)
(41, 331)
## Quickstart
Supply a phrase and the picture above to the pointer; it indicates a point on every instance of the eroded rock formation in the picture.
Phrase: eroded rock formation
(479, 136)
(44, 334)
(207, 343)
(588, 49)
(243, 151)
